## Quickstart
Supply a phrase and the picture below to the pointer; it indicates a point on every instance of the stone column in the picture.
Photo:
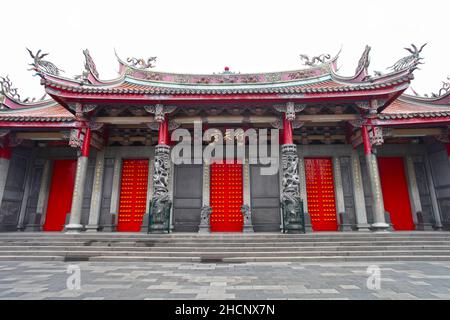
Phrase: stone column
(414, 196)
(339, 194)
(97, 192)
(290, 179)
(247, 208)
(358, 193)
(5, 157)
(303, 191)
(433, 196)
(74, 225)
(375, 184)
(115, 193)
(205, 212)
(26, 193)
(161, 179)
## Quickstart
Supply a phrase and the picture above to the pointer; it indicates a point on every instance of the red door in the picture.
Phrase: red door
(395, 192)
(226, 198)
(133, 195)
(320, 194)
(60, 196)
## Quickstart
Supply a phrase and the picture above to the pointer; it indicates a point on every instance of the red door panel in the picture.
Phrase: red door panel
(133, 195)
(395, 192)
(60, 195)
(226, 198)
(320, 194)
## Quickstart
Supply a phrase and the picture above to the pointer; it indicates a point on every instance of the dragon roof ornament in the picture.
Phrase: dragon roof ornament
(7, 89)
(40, 65)
(410, 62)
(141, 63)
(364, 61)
(315, 60)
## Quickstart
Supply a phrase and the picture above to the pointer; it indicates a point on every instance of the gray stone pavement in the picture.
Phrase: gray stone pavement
(50, 280)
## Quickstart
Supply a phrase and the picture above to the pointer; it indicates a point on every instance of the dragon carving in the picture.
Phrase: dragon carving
(410, 62)
(43, 65)
(141, 63)
(313, 61)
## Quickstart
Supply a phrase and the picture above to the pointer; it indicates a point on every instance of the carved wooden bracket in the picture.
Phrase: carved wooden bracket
(290, 109)
(160, 111)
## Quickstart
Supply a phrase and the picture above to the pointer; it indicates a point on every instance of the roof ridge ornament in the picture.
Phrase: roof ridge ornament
(315, 60)
(141, 63)
(410, 62)
(364, 61)
(7, 89)
(40, 65)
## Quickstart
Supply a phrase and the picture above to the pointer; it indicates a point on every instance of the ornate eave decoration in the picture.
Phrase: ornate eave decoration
(364, 61)
(7, 88)
(89, 67)
(40, 65)
(160, 111)
(141, 63)
(410, 62)
(290, 109)
(315, 60)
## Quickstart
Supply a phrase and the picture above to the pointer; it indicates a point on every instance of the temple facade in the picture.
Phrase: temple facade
(352, 153)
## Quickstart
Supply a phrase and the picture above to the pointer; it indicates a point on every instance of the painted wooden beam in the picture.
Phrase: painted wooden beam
(124, 120)
(326, 117)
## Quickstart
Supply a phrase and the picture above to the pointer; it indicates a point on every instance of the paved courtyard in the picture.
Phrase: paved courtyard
(59, 280)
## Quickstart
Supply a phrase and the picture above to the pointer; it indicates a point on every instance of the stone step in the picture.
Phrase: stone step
(225, 248)
(270, 259)
(169, 244)
(220, 254)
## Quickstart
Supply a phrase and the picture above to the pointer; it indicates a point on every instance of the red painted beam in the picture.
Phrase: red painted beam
(12, 124)
(409, 121)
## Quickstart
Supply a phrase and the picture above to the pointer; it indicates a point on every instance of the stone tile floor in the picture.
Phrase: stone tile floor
(51, 280)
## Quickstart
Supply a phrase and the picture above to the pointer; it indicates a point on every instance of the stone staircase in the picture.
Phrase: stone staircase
(233, 248)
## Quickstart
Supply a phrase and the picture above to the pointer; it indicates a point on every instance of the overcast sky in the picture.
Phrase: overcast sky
(205, 36)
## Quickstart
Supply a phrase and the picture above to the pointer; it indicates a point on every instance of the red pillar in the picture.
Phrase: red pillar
(86, 143)
(287, 131)
(366, 140)
(5, 150)
(163, 134)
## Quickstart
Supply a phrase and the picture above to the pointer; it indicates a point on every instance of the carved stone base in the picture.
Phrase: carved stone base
(158, 228)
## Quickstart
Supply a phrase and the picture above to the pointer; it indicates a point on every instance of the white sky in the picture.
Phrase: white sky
(202, 36)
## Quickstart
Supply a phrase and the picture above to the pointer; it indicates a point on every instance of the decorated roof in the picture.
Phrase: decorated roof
(319, 76)
(50, 113)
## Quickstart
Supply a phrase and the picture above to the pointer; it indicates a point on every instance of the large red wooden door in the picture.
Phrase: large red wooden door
(395, 192)
(320, 194)
(226, 197)
(133, 195)
(60, 196)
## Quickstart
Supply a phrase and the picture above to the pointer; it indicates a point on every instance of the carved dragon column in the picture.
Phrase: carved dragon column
(290, 193)
(5, 157)
(161, 203)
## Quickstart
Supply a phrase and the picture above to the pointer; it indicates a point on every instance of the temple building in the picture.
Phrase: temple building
(354, 153)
